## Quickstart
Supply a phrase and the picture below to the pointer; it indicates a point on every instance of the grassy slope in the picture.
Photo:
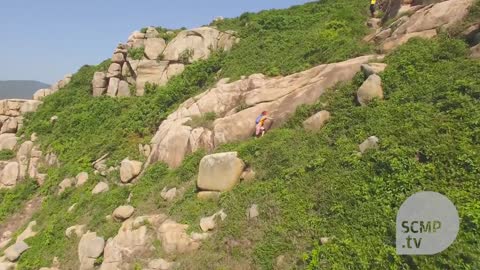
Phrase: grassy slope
(89, 127)
(322, 188)
(318, 188)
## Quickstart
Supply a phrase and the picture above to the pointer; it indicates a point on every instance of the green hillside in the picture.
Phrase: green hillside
(308, 184)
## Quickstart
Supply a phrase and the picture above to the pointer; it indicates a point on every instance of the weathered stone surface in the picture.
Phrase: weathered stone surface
(13, 252)
(200, 41)
(123, 212)
(123, 89)
(279, 96)
(220, 172)
(118, 58)
(9, 174)
(475, 52)
(370, 90)
(253, 212)
(168, 194)
(370, 143)
(8, 141)
(89, 249)
(317, 121)
(28, 232)
(444, 14)
(151, 71)
(100, 188)
(115, 70)
(209, 223)
(151, 33)
(41, 93)
(154, 48)
(394, 42)
(81, 178)
(113, 87)
(373, 68)
(174, 238)
(66, 183)
(99, 83)
(77, 230)
(129, 169)
(9, 126)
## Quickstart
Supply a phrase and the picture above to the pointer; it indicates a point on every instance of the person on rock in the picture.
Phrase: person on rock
(372, 7)
(260, 127)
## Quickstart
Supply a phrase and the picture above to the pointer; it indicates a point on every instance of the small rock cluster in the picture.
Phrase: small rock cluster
(420, 21)
(26, 162)
(80, 180)
(41, 93)
(13, 252)
(160, 61)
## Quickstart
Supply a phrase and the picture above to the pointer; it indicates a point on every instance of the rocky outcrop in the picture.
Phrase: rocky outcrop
(424, 22)
(129, 169)
(41, 93)
(28, 157)
(238, 104)
(316, 121)
(89, 249)
(160, 61)
(371, 89)
(220, 172)
(370, 143)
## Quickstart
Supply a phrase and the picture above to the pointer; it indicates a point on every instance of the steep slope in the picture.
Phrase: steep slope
(312, 200)
(19, 89)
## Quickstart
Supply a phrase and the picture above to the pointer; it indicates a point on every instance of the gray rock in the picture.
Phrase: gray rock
(100, 188)
(220, 172)
(370, 143)
(123, 212)
(370, 90)
(317, 121)
(13, 252)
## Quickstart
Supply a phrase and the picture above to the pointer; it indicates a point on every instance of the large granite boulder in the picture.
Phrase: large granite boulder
(220, 172)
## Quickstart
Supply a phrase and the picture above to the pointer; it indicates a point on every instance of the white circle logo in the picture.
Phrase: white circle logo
(427, 224)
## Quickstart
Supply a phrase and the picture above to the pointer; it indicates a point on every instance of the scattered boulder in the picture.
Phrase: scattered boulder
(53, 119)
(118, 58)
(174, 238)
(66, 183)
(9, 174)
(475, 52)
(82, 179)
(129, 169)
(89, 249)
(13, 252)
(370, 89)
(7, 266)
(77, 230)
(248, 175)
(317, 121)
(8, 141)
(370, 143)
(373, 68)
(115, 70)
(28, 232)
(168, 194)
(123, 212)
(100, 188)
(154, 47)
(252, 212)
(208, 223)
(324, 240)
(220, 172)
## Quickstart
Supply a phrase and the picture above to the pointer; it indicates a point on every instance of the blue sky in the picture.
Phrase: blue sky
(46, 39)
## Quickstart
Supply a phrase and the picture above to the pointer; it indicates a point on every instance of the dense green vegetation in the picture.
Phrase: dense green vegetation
(285, 41)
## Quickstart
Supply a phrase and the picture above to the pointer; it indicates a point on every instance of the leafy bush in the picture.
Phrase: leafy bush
(186, 56)
(6, 154)
(136, 53)
(280, 42)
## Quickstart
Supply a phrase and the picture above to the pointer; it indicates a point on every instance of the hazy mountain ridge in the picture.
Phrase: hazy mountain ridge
(20, 88)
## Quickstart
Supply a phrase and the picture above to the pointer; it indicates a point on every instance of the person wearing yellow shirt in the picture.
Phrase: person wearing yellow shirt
(372, 7)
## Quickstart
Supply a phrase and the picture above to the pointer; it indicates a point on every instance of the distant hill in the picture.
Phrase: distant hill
(20, 88)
